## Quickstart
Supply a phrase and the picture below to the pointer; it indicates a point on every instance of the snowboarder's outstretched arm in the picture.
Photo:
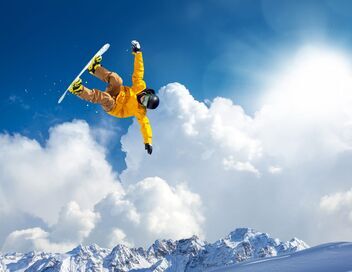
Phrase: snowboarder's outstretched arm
(139, 86)
(146, 131)
(138, 72)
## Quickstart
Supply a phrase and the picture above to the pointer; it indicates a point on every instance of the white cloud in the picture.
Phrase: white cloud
(75, 197)
(167, 211)
(336, 213)
(69, 174)
(149, 210)
(73, 224)
(338, 203)
(117, 236)
(231, 163)
(56, 173)
(35, 238)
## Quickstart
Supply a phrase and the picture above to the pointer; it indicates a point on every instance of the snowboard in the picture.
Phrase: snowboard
(99, 53)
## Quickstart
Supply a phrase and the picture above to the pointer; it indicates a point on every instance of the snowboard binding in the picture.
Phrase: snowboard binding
(76, 87)
(95, 63)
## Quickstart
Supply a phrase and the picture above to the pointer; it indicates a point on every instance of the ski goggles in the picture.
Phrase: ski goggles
(146, 99)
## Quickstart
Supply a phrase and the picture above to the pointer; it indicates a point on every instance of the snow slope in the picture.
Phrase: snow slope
(332, 257)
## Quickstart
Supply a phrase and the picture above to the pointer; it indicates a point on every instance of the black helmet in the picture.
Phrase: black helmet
(151, 100)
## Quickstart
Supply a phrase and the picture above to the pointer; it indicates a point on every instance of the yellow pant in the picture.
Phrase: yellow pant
(107, 98)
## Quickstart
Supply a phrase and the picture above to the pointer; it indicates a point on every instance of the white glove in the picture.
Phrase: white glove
(136, 47)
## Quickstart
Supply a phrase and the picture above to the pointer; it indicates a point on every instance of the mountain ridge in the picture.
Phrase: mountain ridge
(191, 254)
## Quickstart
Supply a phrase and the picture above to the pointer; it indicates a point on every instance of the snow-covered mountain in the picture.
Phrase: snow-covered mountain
(190, 255)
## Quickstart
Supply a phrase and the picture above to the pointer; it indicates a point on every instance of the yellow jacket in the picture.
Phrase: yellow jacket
(127, 104)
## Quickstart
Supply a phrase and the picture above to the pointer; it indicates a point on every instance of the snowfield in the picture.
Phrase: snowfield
(332, 257)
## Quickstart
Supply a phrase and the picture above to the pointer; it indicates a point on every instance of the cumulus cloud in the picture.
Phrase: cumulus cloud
(167, 211)
(30, 239)
(73, 224)
(149, 210)
(65, 193)
(72, 227)
(301, 136)
(54, 174)
(52, 186)
(146, 211)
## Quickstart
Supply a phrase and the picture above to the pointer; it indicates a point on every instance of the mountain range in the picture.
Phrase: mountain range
(192, 255)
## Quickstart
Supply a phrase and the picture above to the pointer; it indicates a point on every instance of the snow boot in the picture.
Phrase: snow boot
(76, 87)
(95, 63)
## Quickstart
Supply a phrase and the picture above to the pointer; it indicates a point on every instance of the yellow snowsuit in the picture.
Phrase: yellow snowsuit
(121, 101)
(126, 103)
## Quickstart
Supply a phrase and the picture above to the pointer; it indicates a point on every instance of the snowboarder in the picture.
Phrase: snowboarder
(119, 100)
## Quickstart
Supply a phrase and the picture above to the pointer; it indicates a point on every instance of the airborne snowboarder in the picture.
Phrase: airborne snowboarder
(119, 100)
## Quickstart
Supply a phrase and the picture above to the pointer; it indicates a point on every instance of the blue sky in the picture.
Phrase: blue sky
(45, 43)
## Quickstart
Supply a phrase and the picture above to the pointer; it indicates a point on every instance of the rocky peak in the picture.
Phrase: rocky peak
(241, 234)
(191, 245)
(161, 248)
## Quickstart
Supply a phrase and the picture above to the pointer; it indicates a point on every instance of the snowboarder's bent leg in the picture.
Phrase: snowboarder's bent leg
(113, 79)
(98, 97)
